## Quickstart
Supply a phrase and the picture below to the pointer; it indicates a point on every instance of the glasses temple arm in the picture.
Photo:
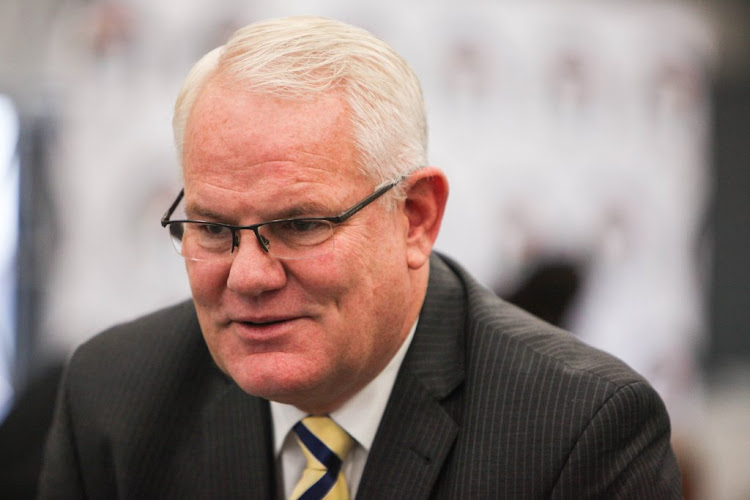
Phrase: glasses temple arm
(168, 213)
(362, 204)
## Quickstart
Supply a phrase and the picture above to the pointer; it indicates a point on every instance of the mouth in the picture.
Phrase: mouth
(264, 323)
(255, 335)
(267, 323)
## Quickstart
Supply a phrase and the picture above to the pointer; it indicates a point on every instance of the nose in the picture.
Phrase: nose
(254, 271)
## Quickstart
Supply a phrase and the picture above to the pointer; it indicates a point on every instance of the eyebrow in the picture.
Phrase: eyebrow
(198, 212)
(301, 210)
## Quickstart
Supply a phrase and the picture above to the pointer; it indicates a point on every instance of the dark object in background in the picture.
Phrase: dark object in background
(549, 290)
(23, 434)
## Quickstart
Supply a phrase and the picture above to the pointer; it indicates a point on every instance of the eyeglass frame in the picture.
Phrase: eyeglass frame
(262, 241)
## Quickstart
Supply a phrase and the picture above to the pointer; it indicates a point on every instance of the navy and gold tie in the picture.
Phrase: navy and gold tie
(325, 446)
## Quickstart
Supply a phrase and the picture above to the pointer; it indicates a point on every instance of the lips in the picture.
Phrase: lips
(265, 329)
(263, 321)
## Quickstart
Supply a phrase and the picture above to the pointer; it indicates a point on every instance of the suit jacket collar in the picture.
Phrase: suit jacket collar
(418, 428)
(238, 463)
(233, 456)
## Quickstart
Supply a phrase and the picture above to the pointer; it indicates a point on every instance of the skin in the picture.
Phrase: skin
(313, 332)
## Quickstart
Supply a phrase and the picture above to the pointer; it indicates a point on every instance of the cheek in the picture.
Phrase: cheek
(367, 276)
(206, 281)
(372, 244)
(325, 281)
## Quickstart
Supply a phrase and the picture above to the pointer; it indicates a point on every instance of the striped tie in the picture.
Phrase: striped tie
(325, 446)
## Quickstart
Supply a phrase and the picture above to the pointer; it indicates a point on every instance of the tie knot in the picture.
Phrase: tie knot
(328, 432)
(325, 446)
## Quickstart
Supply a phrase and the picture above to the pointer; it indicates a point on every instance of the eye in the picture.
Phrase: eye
(205, 237)
(298, 232)
(305, 225)
(214, 231)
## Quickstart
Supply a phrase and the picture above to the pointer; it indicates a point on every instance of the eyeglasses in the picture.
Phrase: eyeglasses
(291, 239)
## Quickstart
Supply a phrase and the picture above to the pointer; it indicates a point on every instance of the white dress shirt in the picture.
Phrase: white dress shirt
(359, 416)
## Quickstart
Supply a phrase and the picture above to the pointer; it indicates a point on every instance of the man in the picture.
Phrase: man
(307, 224)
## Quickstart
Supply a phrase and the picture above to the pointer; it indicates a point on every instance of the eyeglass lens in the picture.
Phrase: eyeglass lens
(292, 239)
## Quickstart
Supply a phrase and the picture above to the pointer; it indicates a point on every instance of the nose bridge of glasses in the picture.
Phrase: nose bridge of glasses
(259, 237)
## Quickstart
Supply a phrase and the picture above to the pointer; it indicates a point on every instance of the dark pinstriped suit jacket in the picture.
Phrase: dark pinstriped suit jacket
(489, 403)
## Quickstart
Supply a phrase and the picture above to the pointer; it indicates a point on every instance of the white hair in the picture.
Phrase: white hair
(301, 57)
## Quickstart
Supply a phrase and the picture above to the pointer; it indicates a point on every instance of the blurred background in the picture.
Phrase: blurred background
(597, 153)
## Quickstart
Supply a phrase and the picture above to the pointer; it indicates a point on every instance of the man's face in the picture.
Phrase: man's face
(307, 332)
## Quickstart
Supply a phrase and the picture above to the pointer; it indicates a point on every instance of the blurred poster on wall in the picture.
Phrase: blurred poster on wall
(574, 135)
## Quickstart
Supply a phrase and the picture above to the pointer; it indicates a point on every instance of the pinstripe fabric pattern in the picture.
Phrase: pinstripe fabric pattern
(489, 403)
(143, 413)
(493, 403)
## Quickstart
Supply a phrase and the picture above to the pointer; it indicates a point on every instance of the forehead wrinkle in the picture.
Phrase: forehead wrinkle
(289, 202)
(218, 140)
(216, 117)
(297, 164)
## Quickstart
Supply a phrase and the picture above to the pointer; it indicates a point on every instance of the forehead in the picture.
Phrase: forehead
(226, 120)
(237, 142)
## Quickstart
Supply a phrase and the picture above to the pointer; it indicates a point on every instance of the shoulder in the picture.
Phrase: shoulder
(138, 359)
(147, 335)
(148, 340)
(555, 406)
(535, 373)
(501, 335)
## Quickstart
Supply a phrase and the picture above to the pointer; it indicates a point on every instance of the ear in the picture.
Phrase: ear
(426, 195)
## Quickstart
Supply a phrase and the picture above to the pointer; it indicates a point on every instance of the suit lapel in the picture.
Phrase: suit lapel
(419, 428)
(237, 447)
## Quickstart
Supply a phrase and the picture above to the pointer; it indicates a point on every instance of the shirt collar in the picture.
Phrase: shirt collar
(360, 415)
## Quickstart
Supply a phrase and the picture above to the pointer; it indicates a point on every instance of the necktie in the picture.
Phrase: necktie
(325, 446)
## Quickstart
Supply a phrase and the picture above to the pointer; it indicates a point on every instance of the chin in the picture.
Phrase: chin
(275, 377)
